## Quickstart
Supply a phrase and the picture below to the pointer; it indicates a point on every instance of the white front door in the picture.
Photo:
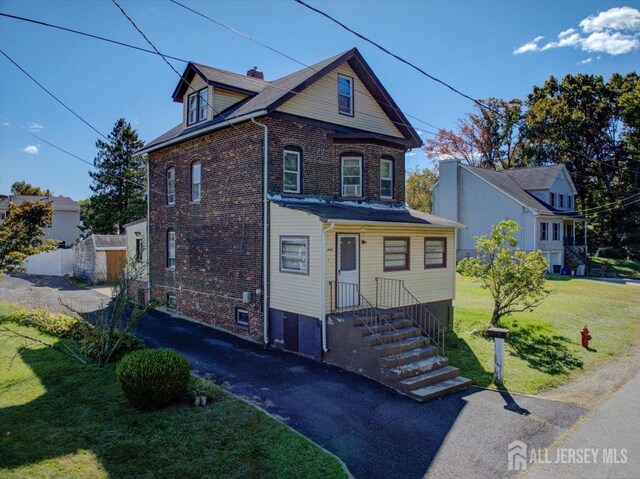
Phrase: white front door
(348, 273)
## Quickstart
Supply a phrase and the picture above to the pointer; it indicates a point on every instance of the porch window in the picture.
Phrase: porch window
(294, 254)
(552, 199)
(386, 178)
(435, 253)
(291, 171)
(171, 249)
(352, 176)
(171, 186)
(544, 231)
(556, 231)
(345, 95)
(396, 254)
(196, 181)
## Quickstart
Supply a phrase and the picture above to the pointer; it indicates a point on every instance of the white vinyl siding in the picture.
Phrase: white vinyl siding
(291, 172)
(319, 101)
(223, 99)
(351, 176)
(386, 178)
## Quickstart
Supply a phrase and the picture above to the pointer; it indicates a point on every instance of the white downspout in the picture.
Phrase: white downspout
(323, 312)
(265, 230)
(147, 262)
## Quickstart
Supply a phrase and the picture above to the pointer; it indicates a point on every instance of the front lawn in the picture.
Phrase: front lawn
(61, 419)
(623, 267)
(544, 348)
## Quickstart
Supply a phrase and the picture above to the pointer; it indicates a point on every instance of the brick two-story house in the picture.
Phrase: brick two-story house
(277, 212)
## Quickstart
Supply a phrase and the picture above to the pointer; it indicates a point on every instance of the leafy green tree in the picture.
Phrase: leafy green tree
(27, 189)
(516, 279)
(21, 234)
(118, 182)
(417, 189)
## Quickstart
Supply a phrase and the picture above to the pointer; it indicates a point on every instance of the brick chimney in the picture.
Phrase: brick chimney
(255, 73)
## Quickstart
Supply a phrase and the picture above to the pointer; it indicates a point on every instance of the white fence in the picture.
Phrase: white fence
(51, 263)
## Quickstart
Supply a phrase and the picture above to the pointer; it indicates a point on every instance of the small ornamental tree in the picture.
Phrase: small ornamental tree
(516, 279)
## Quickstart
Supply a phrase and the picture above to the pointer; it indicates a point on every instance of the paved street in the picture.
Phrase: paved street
(375, 431)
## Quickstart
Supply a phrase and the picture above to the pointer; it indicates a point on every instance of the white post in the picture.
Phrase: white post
(497, 361)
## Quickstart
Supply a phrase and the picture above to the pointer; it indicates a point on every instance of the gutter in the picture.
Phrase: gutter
(193, 134)
(323, 312)
(394, 223)
(265, 230)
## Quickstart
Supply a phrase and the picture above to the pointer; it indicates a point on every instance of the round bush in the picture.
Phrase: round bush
(153, 378)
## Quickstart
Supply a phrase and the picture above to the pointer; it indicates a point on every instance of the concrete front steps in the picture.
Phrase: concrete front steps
(413, 365)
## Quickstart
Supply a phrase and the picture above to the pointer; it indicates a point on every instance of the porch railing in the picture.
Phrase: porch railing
(361, 310)
(392, 294)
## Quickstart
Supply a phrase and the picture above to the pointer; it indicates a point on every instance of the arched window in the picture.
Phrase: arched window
(171, 186)
(196, 178)
(171, 248)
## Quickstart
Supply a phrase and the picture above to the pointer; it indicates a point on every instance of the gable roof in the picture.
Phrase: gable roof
(265, 97)
(503, 181)
(108, 242)
(60, 203)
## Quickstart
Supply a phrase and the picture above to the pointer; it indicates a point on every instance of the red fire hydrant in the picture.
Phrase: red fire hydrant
(585, 337)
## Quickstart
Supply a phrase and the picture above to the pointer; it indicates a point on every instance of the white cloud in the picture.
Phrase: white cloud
(618, 18)
(531, 46)
(586, 61)
(615, 32)
(31, 149)
(5, 123)
(411, 153)
(34, 127)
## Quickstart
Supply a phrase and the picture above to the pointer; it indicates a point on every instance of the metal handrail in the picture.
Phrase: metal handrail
(369, 315)
(392, 293)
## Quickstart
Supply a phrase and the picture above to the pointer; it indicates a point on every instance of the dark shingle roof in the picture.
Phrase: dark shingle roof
(110, 241)
(328, 211)
(60, 203)
(535, 178)
(223, 77)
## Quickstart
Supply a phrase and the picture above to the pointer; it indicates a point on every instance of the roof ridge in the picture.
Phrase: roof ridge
(231, 73)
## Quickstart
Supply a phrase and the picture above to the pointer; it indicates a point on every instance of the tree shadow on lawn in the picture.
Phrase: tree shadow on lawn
(461, 355)
(83, 409)
(544, 351)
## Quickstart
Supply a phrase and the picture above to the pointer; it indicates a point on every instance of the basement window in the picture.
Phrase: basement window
(242, 317)
(171, 301)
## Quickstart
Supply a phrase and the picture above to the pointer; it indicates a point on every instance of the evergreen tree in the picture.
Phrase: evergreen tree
(118, 182)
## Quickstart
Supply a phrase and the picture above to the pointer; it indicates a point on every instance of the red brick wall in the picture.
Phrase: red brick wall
(219, 240)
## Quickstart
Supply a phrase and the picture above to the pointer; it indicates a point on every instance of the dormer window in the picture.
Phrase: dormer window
(553, 199)
(197, 106)
(345, 95)
(569, 202)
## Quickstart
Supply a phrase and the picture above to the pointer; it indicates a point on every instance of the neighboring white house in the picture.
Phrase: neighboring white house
(66, 216)
(136, 233)
(540, 199)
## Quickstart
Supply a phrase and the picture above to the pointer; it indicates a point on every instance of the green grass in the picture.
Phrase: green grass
(623, 267)
(78, 283)
(61, 419)
(544, 348)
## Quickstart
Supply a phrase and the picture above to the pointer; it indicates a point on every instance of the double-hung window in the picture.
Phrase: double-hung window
(291, 171)
(171, 249)
(435, 253)
(561, 201)
(396, 254)
(196, 180)
(294, 254)
(351, 176)
(569, 202)
(556, 231)
(386, 178)
(544, 231)
(552, 197)
(171, 186)
(345, 95)
(138, 250)
(197, 106)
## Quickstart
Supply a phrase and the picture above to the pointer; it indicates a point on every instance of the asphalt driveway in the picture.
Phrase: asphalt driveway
(374, 430)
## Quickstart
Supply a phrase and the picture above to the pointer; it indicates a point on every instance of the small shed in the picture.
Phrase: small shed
(100, 258)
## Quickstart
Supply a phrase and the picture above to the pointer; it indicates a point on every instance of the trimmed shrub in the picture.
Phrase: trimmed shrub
(153, 378)
(55, 324)
(201, 387)
(611, 253)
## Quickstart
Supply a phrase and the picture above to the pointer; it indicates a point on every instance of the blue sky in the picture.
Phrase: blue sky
(473, 45)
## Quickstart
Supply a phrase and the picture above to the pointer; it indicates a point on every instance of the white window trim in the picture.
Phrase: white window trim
(385, 160)
(171, 181)
(202, 107)
(298, 239)
(544, 231)
(350, 80)
(285, 171)
(198, 107)
(555, 228)
(193, 183)
(342, 185)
